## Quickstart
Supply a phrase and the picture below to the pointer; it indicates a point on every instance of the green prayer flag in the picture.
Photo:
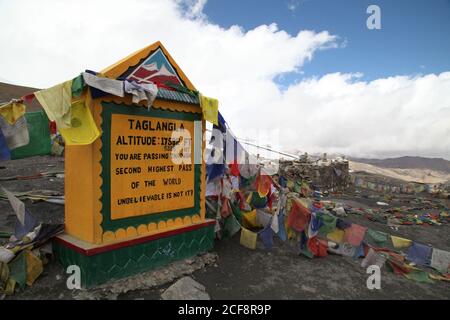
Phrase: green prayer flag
(419, 276)
(18, 269)
(39, 133)
(247, 182)
(297, 186)
(329, 223)
(236, 211)
(306, 252)
(257, 201)
(77, 86)
(231, 227)
(378, 237)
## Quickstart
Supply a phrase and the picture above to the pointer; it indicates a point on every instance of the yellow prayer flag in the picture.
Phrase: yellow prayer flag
(400, 242)
(10, 286)
(336, 236)
(83, 129)
(291, 234)
(249, 220)
(12, 111)
(305, 202)
(56, 102)
(249, 198)
(248, 238)
(438, 277)
(210, 109)
(290, 184)
(34, 267)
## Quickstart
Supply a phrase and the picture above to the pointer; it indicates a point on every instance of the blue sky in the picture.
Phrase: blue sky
(414, 38)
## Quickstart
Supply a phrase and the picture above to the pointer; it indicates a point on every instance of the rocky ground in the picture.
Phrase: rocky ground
(232, 271)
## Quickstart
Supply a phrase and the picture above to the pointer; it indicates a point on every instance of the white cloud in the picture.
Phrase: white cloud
(193, 9)
(334, 113)
(386, 117)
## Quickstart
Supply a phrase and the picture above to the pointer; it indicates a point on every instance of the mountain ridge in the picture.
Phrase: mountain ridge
(408, 162)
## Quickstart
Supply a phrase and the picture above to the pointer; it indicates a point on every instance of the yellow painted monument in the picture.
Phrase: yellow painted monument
(135, 197)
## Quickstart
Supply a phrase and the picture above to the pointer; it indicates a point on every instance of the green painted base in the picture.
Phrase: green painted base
(102, 264)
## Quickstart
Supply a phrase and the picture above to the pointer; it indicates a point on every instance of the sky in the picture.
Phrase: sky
(298, 75)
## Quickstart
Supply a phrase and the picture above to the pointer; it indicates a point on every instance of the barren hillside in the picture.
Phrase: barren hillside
(416, 175)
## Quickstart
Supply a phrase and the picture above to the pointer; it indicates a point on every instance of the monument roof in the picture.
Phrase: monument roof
(154, 64)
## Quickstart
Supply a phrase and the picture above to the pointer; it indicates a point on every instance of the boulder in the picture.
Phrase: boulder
(186, 289)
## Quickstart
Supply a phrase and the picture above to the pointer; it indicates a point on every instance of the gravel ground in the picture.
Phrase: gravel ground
(238, 273)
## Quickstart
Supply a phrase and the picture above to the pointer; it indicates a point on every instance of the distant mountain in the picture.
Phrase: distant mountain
(435, 164)
(6, 81)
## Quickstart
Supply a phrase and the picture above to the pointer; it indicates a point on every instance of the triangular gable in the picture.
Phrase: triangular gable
(155, 69)
(152, 63)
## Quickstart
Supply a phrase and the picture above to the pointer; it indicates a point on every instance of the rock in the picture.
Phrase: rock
(308, 289)
(186, 289)
(340, 212)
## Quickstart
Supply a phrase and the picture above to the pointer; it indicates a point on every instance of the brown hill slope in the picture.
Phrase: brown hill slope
(434, 164)
(11, 91)
(410, 175)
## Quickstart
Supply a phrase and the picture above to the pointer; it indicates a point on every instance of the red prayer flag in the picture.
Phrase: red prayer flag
(318, 247)
(263, 184)
(234, 169)
(52, 126)
(355, 234)
(28, 98)
(298, 217)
